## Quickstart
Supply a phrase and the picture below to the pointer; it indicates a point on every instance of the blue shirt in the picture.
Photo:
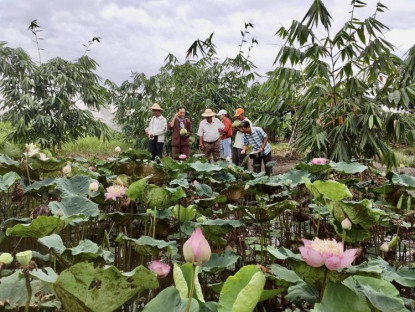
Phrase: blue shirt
(256, 139)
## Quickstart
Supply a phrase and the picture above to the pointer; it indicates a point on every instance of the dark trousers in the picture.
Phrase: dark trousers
(238, 158)
(212, 148)
(155, 148)
(258, 162)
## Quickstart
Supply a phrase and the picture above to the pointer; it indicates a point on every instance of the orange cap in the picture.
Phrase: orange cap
(238, 112)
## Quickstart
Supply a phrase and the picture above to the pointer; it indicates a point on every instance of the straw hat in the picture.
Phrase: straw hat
(208, 113)
(156, 107)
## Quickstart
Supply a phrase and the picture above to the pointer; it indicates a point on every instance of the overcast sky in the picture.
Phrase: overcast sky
(137, 35)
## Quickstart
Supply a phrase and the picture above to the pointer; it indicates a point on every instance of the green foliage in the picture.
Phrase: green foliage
(340, 81)
(41, 100)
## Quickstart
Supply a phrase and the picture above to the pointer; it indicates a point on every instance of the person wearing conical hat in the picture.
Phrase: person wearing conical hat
(155, 132)
(209, 134)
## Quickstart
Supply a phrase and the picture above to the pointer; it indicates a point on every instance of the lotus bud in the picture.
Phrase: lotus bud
(93, 186)
(92, 168)
(196, 249)
(158, 267)
(288, 182)
(60, 212)
(384, 247)
(346, 224)
(67, 169)
(6, 258)
(117, 149)
(393, 241)
(318, 161)
(182, 156)
(24, 257)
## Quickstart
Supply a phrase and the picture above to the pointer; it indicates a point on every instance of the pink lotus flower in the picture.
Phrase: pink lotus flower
(115, 191)
(196, 249)
(318, 161)
(92, 168)
(327, 252)
(158, 267)
(182, 157)
(93, 186)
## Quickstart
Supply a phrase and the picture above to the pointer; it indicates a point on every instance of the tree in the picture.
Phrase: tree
(41, 100)
(338, 85)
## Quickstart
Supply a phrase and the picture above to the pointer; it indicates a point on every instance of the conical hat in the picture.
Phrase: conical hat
(208, 113)
(156, 107)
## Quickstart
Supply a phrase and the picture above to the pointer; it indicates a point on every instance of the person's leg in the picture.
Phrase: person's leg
(160, 149)
(257, 162)
(227, 148)
(152, 148)
(185, 150)
(175, 152)
(235, 156)
(216, 150)
(268, 169)
(207, 150)
(222, 148)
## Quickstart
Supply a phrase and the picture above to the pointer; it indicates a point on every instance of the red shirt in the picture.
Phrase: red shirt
(227, 129)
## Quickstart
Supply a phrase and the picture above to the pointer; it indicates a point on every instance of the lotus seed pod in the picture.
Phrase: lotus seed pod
(6, 258)
(24, 257)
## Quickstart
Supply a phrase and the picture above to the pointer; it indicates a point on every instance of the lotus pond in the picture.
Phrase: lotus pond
(129, 234)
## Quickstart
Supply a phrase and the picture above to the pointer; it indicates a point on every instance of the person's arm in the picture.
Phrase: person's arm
(163, 128)
(264, 144)
(172, 121)
(188, 128)
(245, 145)
(200, 135)
(226, 126)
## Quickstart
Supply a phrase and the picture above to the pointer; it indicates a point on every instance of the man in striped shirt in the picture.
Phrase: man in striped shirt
(258, 139)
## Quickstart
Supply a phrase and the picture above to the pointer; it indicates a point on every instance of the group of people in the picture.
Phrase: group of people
(214, 137)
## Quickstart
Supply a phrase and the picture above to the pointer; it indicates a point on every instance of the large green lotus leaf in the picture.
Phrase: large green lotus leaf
(296, 177)
(47, 275)
(85, 288)
(219, 262)
(86, 250)
(218, 228)
(52, 164)
(170, 300)
(271, 293)
(184, 213)
(39, 227)
(271, 211)
(75, 186)
(175, 194)
(204, 167)
(137, 188)
(404, 180)
(356, 234)
(333, 190)
(241, 292)
(379, 267)
(7, 180)
(155, 197)
(121, 218)
(302, 291)
(182, 279)
(74, 205)
(13, 289)
(381, 294)
(147, 245)
(38, 186)
(222, 177)
(315, 276)
(209, 202)
(180, 182)
(314, 169)
(7, 164)
(234, 193)
(289, 277)
(361, 213)
(203, 189)
(348, 168)
(339, 298)
(172, 165)
(210, 306)
(283, 253)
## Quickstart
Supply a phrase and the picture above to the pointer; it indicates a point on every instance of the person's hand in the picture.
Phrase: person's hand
(261, 150)
(146, 131)
(243, 152)
(176, 115)
(151, 136)
(202, 147)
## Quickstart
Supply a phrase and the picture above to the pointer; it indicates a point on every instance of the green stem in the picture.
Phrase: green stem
(343, 237)
(29, 291)
(27, 166)
(192, 288)
(154, 222)
(323, 286)
(318, 221)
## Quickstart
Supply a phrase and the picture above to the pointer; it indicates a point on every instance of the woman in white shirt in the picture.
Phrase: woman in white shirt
(156, 131)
